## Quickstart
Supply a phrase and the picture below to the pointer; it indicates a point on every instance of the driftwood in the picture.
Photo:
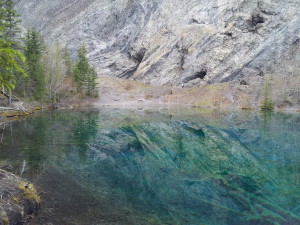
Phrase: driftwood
(6, 108)
(15, 106)
(18, 106)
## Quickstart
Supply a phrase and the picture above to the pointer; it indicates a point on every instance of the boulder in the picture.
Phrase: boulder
(18, 199)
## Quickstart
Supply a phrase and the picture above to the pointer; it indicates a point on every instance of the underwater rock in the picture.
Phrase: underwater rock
(18, 199)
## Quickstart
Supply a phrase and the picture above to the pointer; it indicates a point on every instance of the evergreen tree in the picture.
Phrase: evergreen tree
(81, 68)
(10, 61)
(91, 85)
(84, 75)
(2, 16)
(10, 30)
(2, 13)
(266, 104)
(10, 22)
(33, 53)
(68, 62)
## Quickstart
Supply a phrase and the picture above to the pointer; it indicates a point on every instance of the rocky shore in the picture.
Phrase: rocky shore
(247, 94)
(7, 113)
(18, 199)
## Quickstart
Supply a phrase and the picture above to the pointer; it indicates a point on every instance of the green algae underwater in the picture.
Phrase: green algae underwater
(167, 166)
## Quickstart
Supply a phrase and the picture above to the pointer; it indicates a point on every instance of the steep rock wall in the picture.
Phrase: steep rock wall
(190, 42)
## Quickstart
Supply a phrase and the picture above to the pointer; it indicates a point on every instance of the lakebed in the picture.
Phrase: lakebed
(166, 166)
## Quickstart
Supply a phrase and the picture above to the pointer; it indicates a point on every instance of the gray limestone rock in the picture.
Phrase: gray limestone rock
(174, 41)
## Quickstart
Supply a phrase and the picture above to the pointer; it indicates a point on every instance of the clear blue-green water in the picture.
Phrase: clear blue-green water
(117, 166)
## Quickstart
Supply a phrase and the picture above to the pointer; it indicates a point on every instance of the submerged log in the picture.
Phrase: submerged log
(18, 199)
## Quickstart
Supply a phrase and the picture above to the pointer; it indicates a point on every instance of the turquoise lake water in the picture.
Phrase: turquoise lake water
(177, 167)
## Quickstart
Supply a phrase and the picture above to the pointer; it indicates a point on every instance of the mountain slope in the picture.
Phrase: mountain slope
(171, 41)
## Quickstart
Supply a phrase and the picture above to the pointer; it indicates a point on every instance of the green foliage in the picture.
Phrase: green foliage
(10, 61)
(33, 53)
(51, 75)
(68, 62)
(266, 104)
(91, 85)
(81, 68)
(84, 75)
(10, 23)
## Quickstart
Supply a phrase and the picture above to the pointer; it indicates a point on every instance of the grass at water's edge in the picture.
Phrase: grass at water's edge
(13, 114)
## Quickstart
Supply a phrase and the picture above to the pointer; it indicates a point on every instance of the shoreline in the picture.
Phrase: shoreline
(14, 114)
(154, 106)
(120, 93)
(116, 92)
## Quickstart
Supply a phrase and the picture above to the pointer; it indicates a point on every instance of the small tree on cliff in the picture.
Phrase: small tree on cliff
(266, 103)
(84, 75)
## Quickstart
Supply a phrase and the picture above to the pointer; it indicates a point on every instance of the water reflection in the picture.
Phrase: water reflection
(160, 167)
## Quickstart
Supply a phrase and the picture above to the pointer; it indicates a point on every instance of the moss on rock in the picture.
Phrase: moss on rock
(19, 199)
(29, 191)
(4, 218)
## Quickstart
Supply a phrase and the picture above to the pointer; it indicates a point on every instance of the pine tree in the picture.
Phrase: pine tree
(68, 61)
(2, 13)
(10, 22)
(2, 16)
(10, 60)
(266, 104)
(33, 53)
(84, 75)
(10, 30)
(81, 68)
(91, 85)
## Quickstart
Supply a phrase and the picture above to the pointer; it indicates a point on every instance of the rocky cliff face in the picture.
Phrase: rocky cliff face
(175, 41)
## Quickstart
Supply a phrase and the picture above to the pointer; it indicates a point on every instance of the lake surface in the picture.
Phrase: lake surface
(177, 167)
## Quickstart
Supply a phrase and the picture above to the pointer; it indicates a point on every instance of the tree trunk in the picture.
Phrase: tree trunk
(10, 98)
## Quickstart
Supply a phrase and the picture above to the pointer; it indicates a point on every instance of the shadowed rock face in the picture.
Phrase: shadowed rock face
(174, 41)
